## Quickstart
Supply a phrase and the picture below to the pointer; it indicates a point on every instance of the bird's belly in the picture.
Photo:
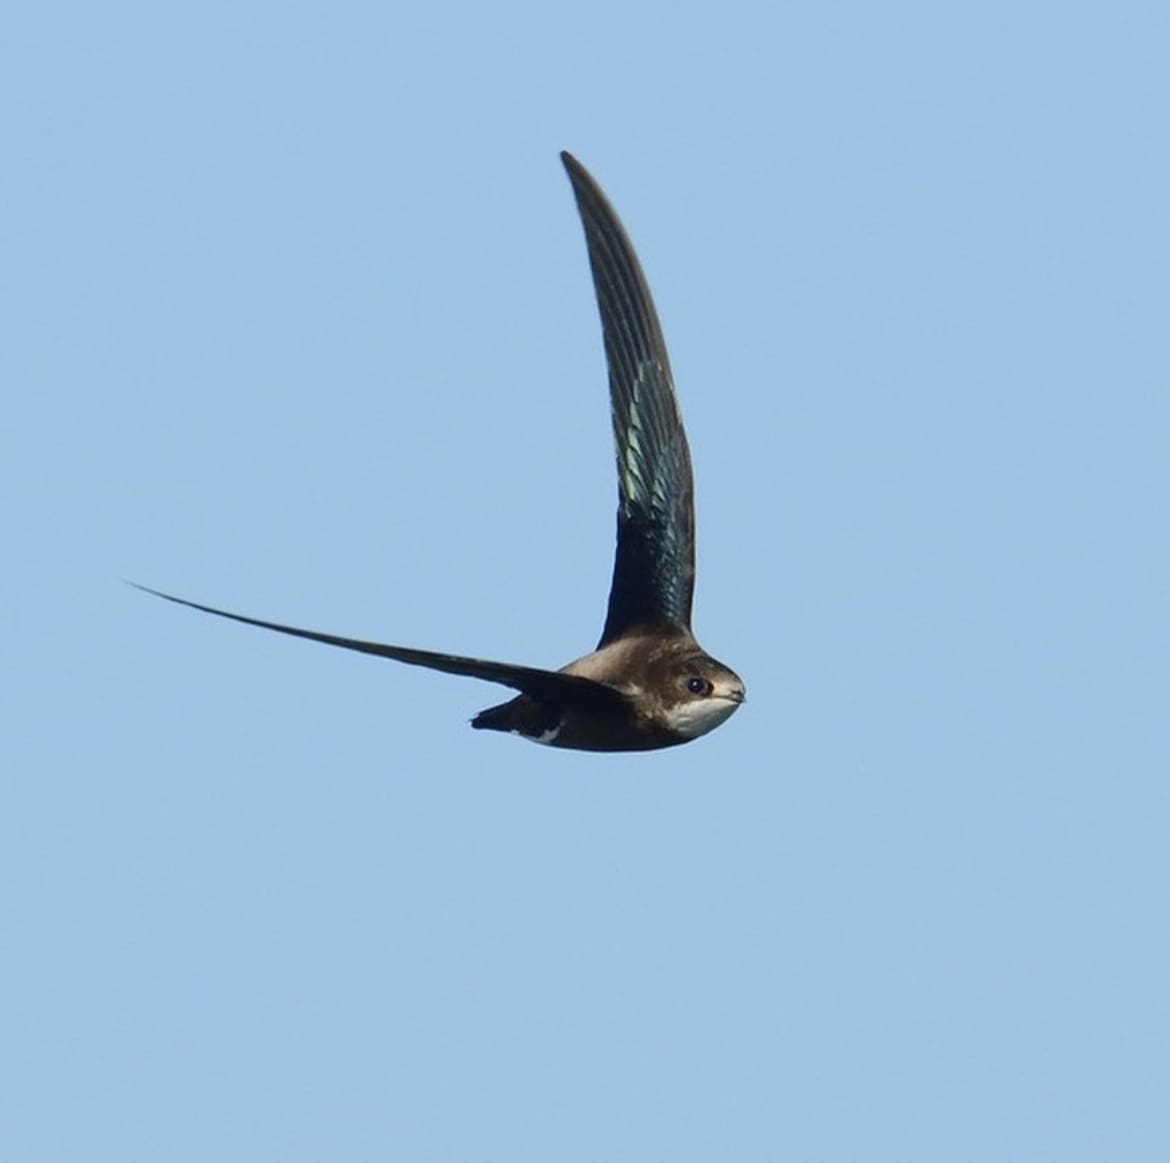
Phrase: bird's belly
(585, 731)
(577, 728)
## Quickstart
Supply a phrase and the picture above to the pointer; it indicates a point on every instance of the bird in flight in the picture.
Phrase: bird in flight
(648, 684)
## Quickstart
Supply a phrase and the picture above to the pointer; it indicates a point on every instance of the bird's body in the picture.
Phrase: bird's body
(648, 684)
(657, 710)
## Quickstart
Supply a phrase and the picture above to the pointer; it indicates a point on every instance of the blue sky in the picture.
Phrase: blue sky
(298, 321)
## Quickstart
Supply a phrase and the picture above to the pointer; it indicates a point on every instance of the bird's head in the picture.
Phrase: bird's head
(703, 694)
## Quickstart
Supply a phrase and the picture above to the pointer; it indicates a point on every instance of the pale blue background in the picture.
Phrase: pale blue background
(297, 319)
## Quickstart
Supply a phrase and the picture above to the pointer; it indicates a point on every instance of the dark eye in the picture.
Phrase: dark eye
(698, 686)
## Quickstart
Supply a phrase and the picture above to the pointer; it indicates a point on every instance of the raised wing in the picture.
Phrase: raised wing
(545, 685)
(654, 567)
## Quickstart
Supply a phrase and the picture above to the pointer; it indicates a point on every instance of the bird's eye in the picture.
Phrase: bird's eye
(698, 686)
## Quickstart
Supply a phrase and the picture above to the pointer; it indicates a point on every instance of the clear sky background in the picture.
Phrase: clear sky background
(297, 320)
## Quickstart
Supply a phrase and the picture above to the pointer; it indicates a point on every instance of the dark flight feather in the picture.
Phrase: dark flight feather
(546, 685)
(654, 566)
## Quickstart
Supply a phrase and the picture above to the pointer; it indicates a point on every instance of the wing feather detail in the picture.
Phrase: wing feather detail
(546, 685)
(654, 565)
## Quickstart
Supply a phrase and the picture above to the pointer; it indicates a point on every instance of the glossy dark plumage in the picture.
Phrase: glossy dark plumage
(654, 567)
(648, 684)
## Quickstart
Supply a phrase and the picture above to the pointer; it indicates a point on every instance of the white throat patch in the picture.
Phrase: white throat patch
(694, 718)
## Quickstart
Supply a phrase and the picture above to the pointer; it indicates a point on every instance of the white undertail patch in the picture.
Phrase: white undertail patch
(548, 736)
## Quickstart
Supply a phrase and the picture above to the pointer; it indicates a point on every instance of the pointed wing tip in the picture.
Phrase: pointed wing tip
(159, 594)
(579, 176)
(144, 589)
(202, 608)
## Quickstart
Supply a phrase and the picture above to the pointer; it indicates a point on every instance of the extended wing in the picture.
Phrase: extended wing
(546, 685)
(654, 567)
